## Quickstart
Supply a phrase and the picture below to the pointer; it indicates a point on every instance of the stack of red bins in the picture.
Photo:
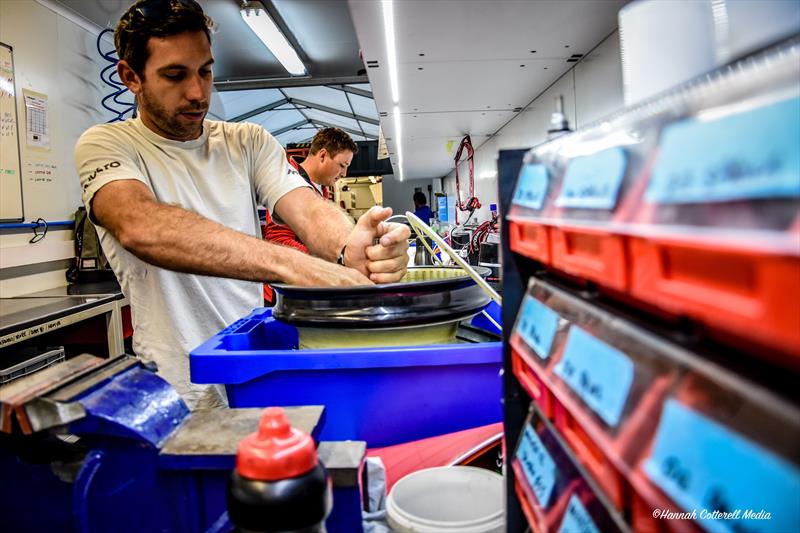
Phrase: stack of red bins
(655, 426)
(687, 206)
(553, 494)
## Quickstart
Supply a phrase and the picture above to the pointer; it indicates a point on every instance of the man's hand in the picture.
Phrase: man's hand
(386, 261)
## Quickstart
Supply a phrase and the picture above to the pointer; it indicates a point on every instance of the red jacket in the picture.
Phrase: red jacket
(282, 234)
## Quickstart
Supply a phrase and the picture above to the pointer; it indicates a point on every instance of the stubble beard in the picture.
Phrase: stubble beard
(168, 122)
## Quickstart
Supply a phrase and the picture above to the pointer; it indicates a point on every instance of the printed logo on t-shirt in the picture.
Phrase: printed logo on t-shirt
(98, 170)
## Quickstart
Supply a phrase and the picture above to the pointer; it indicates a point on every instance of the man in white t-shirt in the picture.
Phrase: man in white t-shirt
(174, 197)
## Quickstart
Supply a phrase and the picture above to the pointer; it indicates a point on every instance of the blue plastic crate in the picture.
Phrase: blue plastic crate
(496, 312)
(384, 396)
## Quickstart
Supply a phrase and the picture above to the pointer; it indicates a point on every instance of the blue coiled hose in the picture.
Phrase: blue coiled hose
(108, 76)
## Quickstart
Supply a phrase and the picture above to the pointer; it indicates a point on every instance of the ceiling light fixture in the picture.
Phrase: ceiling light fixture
(397, 144)
(265, 28)
(391, 49)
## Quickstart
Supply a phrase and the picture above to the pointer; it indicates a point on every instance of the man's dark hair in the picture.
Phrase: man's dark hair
(419, 198)
(156, 18)
(333, 140)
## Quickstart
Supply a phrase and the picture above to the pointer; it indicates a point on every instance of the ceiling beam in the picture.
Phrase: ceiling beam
(352, 109)
(351, 131)
(297, 107)
(294, 81)
(352, 90)
(334, 111)
(259, 110)
(290, 127)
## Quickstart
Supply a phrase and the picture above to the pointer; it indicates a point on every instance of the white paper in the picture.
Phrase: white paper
(37, 125)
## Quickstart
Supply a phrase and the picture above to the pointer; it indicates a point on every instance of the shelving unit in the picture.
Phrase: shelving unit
(651, 355)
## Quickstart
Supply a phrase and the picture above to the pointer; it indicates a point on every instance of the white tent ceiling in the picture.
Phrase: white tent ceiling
(294, 114)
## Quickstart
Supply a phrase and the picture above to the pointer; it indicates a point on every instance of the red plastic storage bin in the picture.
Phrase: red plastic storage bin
(525, 503)
(723, 443)
(553, 492)
(647, 505)
(545, 474)
(711, 408)
(530, 381)
(591, 254)
(592, 456)
(536, 337)
(585, 512)
(530, 239)
(609, 435)
(745, 294)
(688, 205)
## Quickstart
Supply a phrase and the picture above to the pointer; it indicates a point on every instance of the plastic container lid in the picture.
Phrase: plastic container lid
(276, 450)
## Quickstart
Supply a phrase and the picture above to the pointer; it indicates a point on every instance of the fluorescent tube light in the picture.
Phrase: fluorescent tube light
(391, 50)
(398, 135)
(265, 28)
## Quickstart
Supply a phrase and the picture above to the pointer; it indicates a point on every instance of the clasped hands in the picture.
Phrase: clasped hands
(386, 261)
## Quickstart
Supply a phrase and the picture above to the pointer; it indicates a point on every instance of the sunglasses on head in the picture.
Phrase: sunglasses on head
(160, 9)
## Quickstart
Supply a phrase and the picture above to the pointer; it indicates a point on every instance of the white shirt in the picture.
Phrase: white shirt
(223, 175)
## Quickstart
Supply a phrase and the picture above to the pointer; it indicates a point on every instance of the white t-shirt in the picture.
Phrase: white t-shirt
(223, 176)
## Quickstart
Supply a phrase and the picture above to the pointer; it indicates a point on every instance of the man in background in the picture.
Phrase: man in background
(329, 156)
(421, 208)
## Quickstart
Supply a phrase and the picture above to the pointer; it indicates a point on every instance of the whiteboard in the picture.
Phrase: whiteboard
(10, 172)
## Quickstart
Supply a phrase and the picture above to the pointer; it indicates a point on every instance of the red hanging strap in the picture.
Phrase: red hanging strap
(471, 203)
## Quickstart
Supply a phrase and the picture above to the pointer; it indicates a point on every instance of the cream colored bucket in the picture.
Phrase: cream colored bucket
(461, 499)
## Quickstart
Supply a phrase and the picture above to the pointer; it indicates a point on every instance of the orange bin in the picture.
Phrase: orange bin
(531, 382)
(592, 254)
(608, 446)
(540, 520)
(571, 500)
(547, 477)
(530, 239)
(748, 295)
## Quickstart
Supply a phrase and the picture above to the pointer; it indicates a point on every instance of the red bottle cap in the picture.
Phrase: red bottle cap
(276, 450)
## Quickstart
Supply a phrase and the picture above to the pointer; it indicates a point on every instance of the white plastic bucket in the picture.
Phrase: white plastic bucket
(448, 499)
(664, 43)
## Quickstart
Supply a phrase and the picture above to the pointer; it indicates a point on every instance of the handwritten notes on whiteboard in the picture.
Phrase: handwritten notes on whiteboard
(40, 171)
(10, 175)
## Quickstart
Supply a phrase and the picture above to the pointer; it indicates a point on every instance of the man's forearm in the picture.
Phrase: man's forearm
(321, 226)
(174, 238)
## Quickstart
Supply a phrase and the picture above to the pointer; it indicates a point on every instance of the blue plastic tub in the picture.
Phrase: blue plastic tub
(384, 396)
(494, 311)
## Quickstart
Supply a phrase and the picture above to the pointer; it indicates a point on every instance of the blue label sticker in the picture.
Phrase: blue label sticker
(539, 467)
(748, 155)
(598, 373)
(593, 181)
(531, 187)
(537, 326)
(577, 519)
(706, 467)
